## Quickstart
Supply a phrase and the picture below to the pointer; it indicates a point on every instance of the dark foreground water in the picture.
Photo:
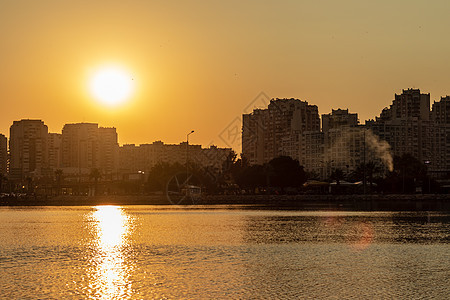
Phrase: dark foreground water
(148, 252)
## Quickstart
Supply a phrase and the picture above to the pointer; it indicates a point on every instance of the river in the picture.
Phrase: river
(221, 252)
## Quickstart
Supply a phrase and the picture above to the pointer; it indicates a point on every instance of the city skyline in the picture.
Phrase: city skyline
(260, 102)
(199, 64)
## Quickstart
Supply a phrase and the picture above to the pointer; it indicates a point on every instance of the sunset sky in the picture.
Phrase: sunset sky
(196, 65)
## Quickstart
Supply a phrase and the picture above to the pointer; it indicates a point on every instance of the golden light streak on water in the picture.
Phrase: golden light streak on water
(111, 272)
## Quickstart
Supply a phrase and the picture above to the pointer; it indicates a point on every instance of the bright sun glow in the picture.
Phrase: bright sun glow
(111, 85)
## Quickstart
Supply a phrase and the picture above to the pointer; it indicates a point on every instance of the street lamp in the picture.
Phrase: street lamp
(187, 152)
(428, 163)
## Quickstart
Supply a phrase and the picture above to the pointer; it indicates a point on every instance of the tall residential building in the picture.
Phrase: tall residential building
(80, 148)
(108, 147)
(339, 118)
(405, 124)
(312, 149)
(340, 145)
(277, 130)
(344, 141)
(54, 151)
(3, 154)
(85, 146)
(439, 161)
(28, 149)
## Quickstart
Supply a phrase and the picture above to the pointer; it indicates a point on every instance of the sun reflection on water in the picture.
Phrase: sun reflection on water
(110, 274)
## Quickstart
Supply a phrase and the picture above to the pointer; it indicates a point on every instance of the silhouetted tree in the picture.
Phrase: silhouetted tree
(408, 172)
(283, 171)
(160, 174)
(252, 177)
(372, 170)
(337, 175)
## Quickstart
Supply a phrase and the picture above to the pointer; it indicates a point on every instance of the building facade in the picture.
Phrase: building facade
(406, 125)
(141, 158)
(3, 155)
(54, 151)
(439, 162)
(28, 149)
(85, 147)
(277, 130)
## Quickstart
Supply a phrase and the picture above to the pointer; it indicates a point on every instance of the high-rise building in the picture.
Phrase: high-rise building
(3, 154)
(80, 148)
(54, 151)
(108, 147)
(343, 141)
(405, 125)
(439, 161)
(85, 146)
(275, 131)
(28, 149)
(339, 118)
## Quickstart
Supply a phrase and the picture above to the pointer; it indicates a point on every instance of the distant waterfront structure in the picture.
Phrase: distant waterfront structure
(277, 130)
(3, 154)
(29, 149)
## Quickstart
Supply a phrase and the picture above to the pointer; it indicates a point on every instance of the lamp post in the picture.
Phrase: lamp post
(187, 153)
(428, 163)
(364, 162)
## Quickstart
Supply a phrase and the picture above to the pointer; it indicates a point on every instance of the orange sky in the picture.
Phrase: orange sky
(198, 64)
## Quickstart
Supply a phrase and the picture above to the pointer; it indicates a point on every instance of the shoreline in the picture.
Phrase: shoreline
(419, 202)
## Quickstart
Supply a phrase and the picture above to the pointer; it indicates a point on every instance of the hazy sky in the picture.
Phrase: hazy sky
(198, 64)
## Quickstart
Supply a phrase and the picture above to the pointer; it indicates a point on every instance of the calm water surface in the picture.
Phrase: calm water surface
(147, 252)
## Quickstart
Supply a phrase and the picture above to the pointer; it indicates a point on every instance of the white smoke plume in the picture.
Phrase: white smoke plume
(380, 148)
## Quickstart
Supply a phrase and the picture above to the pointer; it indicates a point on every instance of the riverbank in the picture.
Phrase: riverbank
(305, 202)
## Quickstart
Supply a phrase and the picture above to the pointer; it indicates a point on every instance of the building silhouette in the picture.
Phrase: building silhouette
(142, 158)
(3, 154)
(405, 125)
(439, 162)
(290, 127)
(54, 151)
(29, 150)
(340, 145)
(85, 147)
(109, 151)
(277, 130)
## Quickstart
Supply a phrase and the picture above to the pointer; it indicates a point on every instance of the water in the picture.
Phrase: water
(149, 252)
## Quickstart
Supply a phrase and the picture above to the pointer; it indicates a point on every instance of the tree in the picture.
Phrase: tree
(371, 170)
(160, 174)
(252, 177)
(408, 171)
(283, 171)
(337, 175)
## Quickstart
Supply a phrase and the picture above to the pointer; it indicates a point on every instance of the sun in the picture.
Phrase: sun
(111, 85)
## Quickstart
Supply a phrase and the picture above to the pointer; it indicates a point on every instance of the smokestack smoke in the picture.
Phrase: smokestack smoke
(381, 149)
